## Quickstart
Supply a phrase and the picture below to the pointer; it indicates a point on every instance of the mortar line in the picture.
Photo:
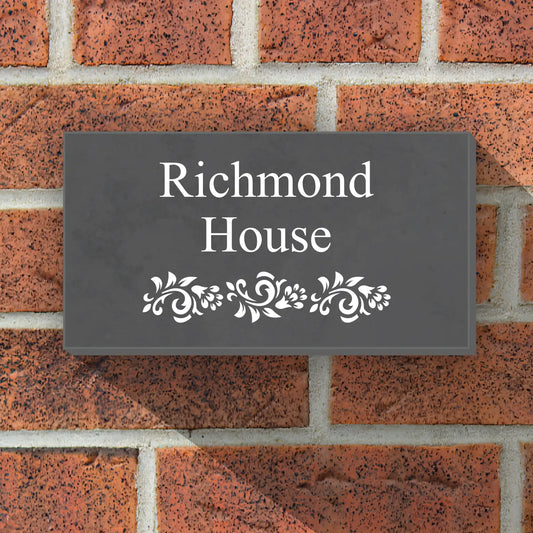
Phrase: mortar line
(29, 320)
(60, 19)
(494, 314)
(245, 35)
(526, 196)
(146, 483)
(429, 49)
(511, 486)
(326, 107)
(507, 268)
(31, 198)
(274, 74)
(372, 435)
(325, 121)
(319, 392)
(485, 195)
(485, 314)
(494, 194)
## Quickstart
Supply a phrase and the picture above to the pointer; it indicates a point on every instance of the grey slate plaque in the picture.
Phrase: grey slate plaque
(269, 243)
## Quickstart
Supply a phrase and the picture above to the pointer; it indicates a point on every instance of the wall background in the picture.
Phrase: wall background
(264, 443)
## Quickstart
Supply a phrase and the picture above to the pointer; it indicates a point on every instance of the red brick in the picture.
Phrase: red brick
(319, 489)
(67, 491)
(486, 30)
(527, 256)
(527, 494)
(23, 33)
(486, 250)
(492, 387)
(143, 32)
(45, 388)
(31, 261)
(341, 31)
(495, 114)
(33, 118)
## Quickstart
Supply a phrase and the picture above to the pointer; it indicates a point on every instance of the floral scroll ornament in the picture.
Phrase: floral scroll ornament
(270, 296)
(353, 300)
(266, 297)
(187, 299)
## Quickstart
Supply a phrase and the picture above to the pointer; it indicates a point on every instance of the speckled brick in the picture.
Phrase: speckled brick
(328, 489)
(492, 387)
(486, 30)
(340, 31)
(486, 250)
(145, 32)
(527, 256)
(527, 493)
(33, 118)
(23, 33)
(42, 387)
(31, 261)
(74, 491)
(495, 114)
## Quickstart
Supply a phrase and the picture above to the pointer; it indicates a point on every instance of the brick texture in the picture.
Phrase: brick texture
(31, 261)
(309, 488)
(486, 30)
(23, 33)
(333, 489)
(33, 118)
(486, 250)
(42, 387)
(332, 30)
(527, 256)
(492, 387)
(495, 114)
(144, 32)
(73, 491)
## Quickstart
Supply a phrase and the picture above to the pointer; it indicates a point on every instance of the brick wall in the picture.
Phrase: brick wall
(250, 444)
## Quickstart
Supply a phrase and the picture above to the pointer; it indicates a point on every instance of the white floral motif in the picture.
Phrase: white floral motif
(187, 299)
(269, 296)
(377, 297)
(353, 299)
(268, 299)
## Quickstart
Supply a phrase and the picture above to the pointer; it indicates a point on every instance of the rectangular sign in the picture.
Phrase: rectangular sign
(269, 243)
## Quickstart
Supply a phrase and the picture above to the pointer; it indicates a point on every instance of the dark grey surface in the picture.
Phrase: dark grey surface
(416, 235)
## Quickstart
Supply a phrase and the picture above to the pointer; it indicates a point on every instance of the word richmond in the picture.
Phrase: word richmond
(237, 184)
